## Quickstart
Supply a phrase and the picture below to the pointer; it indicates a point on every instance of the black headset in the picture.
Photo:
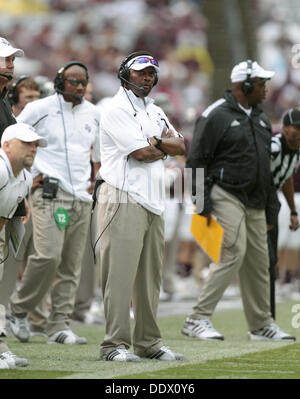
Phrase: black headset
(124, 71)
(13, 95)
(248, 86)
(288, 117)
(59, 84)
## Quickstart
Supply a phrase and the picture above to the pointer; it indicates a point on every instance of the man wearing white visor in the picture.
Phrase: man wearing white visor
(135, 135)
(19, 143)
(232, 143)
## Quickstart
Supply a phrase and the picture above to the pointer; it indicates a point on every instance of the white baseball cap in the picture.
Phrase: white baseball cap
(143, 61)
(23, 132)
(240, 71)
(6, 49)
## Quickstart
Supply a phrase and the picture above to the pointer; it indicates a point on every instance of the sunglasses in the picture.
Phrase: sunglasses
(144, 60)
(76, 82)
(261, 83)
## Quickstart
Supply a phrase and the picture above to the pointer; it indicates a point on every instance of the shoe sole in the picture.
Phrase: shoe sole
(124, 361)
(261, 338)
(66, 343)
(135, 360)
(194, 335)
(22, 363)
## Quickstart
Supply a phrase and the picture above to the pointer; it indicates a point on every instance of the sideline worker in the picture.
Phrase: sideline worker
(135, 136)
(232, 142)
(285, 155)
(60, 203)
(19, 144)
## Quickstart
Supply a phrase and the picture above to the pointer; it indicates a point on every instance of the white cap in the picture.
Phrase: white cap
(138, 66)
(6, 49)
(23, 132)
(239, 72)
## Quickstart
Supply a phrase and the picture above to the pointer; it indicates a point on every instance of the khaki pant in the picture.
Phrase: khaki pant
(3, 249)
(12, 265)
(56, 262)
(244, 252)
(131, 250)
(90, 276)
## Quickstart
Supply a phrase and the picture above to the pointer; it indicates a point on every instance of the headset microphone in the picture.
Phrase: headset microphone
(140, 88)
(67, 93)
(8, 77)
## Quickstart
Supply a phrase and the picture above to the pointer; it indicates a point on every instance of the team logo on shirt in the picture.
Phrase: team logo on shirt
(262, 123)
(88, 128)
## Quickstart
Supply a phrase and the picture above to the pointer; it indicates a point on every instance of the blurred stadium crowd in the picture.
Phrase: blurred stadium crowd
(100, 33)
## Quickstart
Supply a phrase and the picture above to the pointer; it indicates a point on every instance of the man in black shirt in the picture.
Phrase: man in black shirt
(232, 143)
(7, 58)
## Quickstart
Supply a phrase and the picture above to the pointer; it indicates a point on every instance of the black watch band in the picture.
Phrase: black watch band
(159, 140)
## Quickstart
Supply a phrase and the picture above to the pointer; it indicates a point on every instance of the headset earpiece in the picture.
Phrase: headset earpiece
(124, 71)
(248, 86)
(59, 84)
(290, 116)
(13, 95)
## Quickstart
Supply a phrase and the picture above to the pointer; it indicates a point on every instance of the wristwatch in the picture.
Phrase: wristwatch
(159, 140)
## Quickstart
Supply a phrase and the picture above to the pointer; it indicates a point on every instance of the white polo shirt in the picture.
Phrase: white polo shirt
(71, 133)
(12, 189)
(125, 125)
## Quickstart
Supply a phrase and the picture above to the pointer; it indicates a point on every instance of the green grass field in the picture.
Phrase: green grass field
(235, 358)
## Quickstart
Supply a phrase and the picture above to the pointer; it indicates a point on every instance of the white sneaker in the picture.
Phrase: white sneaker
(201, 329)
(3, 365)
(165, 353)
(95, 315)
(271, 332)
(66, 337)
(12, 360)
(20, 327)
(121, 355)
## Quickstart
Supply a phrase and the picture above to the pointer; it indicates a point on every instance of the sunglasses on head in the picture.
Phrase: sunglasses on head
(144, 60)
(76, 82)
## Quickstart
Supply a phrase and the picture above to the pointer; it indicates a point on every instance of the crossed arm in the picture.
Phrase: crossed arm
(170, 145)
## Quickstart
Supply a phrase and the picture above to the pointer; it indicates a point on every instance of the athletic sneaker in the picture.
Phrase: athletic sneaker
(12, 360)
(271, 332)
(165, 353)
(120, 355)
(20, 327)
(66, 337)
(3, 365)
(201, 329)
